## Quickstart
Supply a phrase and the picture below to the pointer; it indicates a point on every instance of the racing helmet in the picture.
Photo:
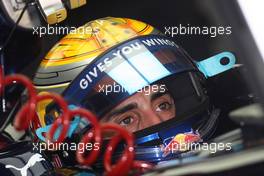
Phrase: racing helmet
(107, 61)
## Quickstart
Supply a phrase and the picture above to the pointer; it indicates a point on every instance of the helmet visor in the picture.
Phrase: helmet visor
(124, 70)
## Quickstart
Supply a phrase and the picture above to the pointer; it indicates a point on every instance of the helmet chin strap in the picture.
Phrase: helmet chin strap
(207, 129)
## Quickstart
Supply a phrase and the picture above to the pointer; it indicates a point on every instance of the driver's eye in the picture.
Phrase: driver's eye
(164, 106)
(126, 121)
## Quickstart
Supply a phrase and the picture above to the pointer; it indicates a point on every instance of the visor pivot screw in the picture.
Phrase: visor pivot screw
(224, 61)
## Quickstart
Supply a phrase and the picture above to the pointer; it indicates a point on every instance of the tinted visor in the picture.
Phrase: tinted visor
(124, 70)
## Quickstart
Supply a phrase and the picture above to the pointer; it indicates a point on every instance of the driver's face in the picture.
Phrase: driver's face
(142, 110)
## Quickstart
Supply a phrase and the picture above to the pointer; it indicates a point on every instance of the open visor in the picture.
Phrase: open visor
(125, 69)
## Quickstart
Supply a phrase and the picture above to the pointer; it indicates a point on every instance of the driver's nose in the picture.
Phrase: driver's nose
(150, 119)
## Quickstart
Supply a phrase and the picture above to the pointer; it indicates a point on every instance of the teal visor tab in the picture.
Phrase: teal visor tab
(217, 64)
(73, 126)
(44, 130)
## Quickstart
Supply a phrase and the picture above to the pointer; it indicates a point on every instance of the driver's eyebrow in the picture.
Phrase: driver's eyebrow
(120, 111)
(156, 95)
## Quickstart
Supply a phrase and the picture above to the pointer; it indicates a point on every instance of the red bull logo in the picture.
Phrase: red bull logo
(180, 143)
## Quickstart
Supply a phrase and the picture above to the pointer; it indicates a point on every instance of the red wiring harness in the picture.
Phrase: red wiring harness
(27, 114)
